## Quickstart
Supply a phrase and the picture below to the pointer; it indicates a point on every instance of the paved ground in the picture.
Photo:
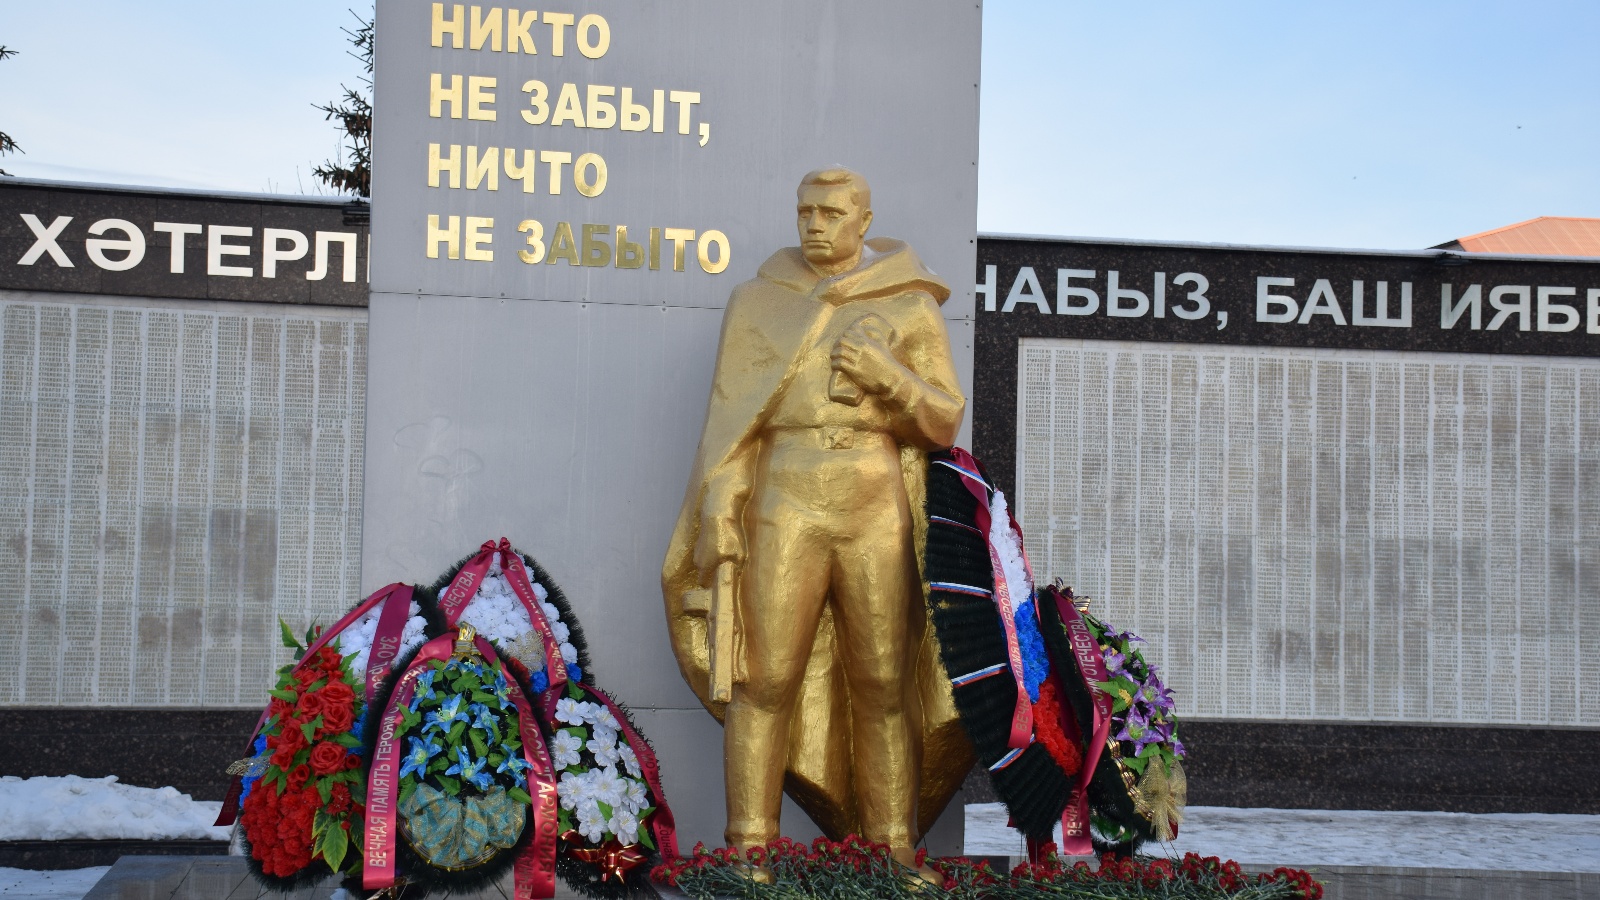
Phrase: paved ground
(1358, 856)
(68, 884)
(1528, 842)
(225, 878)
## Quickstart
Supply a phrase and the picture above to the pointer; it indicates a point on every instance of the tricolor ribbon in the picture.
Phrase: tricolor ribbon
(380, 659)
(1022, 713)
(535, 865)
(1075, 838)
(453, 602)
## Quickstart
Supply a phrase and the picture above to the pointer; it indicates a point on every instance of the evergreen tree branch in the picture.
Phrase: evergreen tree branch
(351, 172)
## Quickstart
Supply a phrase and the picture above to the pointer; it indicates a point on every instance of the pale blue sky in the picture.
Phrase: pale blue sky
(1354, 124)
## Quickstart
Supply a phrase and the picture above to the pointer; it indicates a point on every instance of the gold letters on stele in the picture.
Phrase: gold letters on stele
(793, 585)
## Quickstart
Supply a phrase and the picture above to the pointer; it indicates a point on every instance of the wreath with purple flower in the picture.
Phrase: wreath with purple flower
(1145, 727)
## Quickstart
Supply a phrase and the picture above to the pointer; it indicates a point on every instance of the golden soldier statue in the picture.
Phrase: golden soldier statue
(792, 584)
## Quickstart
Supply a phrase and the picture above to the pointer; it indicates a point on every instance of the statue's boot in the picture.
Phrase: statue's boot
(907, 856)
(760, 874)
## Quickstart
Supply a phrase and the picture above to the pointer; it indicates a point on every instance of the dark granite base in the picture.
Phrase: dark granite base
(41, 855)
(227, 878)
(1288, 765)
(187, 749)
(1388, 767)
(1448, 769)
(1377, 883)
(201, 878)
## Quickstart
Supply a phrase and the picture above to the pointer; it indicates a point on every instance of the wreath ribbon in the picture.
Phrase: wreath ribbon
(453, 602)
(385, 647)
(1022, 712)
(614, 859)
(1075, 838)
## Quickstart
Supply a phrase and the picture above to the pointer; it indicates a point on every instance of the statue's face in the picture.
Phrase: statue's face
(831, 225)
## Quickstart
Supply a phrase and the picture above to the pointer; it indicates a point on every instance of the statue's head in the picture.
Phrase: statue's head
(834, 213)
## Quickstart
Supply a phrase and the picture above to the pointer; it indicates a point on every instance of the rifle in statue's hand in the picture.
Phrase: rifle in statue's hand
(719, 604)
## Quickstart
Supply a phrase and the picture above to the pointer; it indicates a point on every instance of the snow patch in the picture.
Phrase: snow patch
(74, 808)
(1521, 842)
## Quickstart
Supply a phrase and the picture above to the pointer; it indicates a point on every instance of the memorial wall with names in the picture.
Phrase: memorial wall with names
(182, 399)
(1325, 486)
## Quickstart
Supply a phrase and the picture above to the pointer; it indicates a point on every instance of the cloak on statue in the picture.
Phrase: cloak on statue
(769, 323)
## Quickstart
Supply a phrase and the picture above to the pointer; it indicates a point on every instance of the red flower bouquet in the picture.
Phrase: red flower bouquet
(304, 805)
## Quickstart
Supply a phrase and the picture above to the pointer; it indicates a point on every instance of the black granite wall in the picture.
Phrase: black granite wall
(1285, 765)
(1391, 767)
(187, 749)
(85, 205)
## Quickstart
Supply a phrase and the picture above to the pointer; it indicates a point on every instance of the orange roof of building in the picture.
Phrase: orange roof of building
(1544, 236)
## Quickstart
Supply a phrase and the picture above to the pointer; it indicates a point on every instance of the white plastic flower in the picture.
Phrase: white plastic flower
(607, 786)
(540, 593)
(637, 797)
(591, 824)
(572, 790)
(630, 760)
(566, 749)
(605, 752)
(570, 711)
(589, 710)
(550, 611)
(569, 653)
(561, 631)
(603, 734)
(625, 825)
(355, 642)
(604, 719)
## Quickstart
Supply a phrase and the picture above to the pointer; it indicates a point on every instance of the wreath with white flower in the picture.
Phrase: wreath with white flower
(500, 617)
(598, 801)
(608, 811)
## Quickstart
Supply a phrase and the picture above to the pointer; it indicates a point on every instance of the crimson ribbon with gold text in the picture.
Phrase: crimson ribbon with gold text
(453, 602)
(1075, 838)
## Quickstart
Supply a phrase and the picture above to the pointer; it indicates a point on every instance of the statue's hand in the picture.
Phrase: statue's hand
(867, 361)
(721, 540)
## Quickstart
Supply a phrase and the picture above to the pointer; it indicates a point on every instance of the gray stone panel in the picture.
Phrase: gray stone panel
(561, 405)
